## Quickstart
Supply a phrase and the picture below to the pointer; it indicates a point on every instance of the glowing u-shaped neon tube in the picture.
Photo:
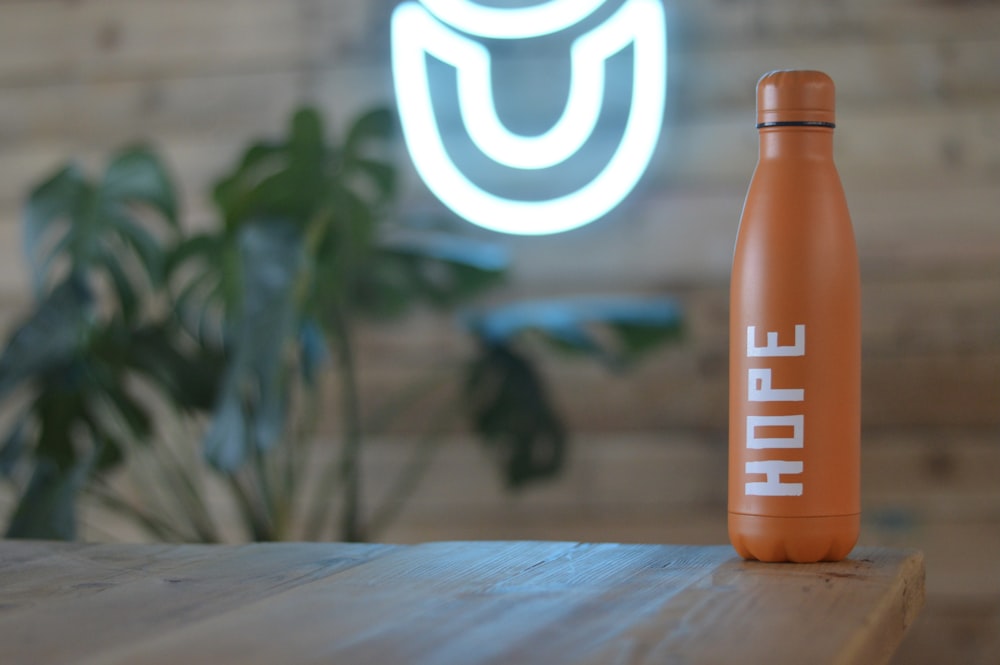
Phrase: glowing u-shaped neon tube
(475, 95)
(499, 23)
(640, 22)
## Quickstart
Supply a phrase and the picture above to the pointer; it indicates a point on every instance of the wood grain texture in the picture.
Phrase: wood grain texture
(442, 603)
(96, 595)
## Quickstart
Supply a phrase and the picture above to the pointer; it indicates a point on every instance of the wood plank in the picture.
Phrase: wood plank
(113, 597)
(504, 602)
(960, 555)
(114, 39)
(869, 70)
(235, 106)
(926, 475)
(343, 610)
(115, 113)
(932, 390)
(721, 21)
(26, 563)
(907, 501)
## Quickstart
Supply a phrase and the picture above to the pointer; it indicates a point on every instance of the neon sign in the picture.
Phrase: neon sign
(434, 27)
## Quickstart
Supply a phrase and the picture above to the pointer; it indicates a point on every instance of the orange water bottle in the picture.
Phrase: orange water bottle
(795, 338)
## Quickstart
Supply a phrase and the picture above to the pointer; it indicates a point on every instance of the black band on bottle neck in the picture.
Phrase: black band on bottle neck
(796, 123)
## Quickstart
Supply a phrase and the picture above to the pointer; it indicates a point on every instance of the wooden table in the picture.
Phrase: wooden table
(446, 603)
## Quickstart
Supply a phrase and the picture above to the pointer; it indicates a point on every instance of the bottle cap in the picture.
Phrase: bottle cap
(795, 98)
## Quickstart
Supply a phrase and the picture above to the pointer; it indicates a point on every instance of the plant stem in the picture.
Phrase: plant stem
(351, 529)
(158, 528)
(408, 479)
(255, 522)
(190, 493)
(266, 496)
(302, 444)
(405, 399)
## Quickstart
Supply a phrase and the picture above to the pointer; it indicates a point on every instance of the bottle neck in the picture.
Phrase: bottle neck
(796, 142)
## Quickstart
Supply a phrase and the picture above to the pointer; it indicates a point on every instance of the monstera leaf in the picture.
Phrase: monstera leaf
(99, 226)
(630, 325)
(300, 218)
(252, 404)
(507, 397)
(52, 335)
(411, 267)
(304, 250)
(511, 411)
(305, 176)
(47, 511)
(76, 351)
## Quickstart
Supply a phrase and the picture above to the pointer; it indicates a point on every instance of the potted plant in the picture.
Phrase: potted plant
(137, 323)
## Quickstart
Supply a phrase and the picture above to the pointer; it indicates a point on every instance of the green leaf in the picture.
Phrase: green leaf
(271, 256)
(225, 442)
(52, 336)
(127, 297)
(149, 250)
(366, 137)
(385, 290)
(200, 246)
(68, 219)
(47, 509)
(14, 446)
(439, 269)
(313, 351)
(189, 376)
(278, 179)
(511, 410)
(447, 247)
(136, 175)
(378, 124)
(381, 175)
(203, 276)
(356, 222)
(232, 193)
(635, 324)
(57, 410)
(306, 131)
(261, 159)
(132, 413)
(108, 451)
(64, 195)
(637, 339)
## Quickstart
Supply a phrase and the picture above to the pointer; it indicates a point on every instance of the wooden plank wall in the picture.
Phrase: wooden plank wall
(918, 146)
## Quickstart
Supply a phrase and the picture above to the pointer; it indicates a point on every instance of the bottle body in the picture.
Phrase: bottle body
(795, 357)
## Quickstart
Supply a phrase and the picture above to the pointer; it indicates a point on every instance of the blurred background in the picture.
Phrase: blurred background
(918, 148)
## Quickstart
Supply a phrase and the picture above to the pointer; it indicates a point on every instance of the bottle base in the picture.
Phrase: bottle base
(795, 539)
